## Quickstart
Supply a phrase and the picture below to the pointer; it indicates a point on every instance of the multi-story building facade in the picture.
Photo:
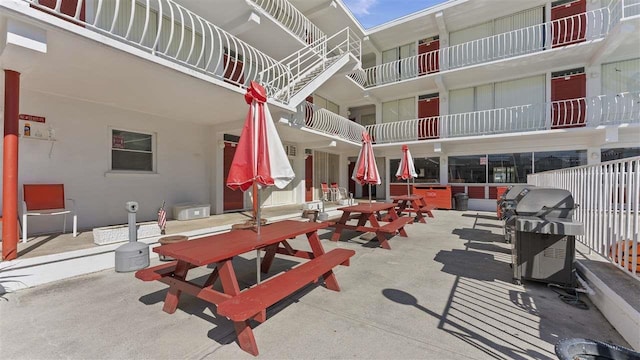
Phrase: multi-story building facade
(143, 100)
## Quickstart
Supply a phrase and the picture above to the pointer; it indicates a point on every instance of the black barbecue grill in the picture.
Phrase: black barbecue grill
(540, 226)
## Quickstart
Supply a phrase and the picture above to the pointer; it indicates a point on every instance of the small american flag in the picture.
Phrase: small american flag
(162, 218)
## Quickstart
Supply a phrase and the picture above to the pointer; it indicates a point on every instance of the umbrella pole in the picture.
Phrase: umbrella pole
(258, 230)
(369, 194)
(408, 193)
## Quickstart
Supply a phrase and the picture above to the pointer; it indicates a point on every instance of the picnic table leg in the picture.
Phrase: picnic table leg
(173, 295)
(384, 243)
(379, 235)
(343, 220)
(270, 254)
(329, 277)
(401, 230)
(212, 278)
(244, 333)
(416, 205)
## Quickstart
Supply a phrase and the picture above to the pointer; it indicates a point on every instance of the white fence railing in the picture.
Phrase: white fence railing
(292, 19)
(168, 30)
(608, 196)
(593, 111)
(327, 122)
(591, 25)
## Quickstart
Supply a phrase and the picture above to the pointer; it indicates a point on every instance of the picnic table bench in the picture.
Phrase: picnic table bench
(252, 303)
(371, 213)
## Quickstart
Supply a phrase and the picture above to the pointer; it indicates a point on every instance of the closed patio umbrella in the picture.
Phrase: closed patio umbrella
(366, 170)
(407, 169)
(260, 160)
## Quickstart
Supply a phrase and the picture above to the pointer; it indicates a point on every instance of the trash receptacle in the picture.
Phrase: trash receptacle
(462, 201)
(576, 348)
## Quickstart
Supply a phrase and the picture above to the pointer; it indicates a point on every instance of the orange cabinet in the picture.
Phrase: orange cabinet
(438, 195)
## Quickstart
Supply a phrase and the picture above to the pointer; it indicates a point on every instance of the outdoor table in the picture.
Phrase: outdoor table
(371, 213)
(412, 203)
(251, 303)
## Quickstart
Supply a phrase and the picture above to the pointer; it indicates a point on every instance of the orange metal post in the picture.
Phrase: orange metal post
(10, 165)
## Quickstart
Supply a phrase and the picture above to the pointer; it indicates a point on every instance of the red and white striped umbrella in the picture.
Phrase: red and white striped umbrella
(260, 160)
(407, 169)
(366, 170)
(260, 157)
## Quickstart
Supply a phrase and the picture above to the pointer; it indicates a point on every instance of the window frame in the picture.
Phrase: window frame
(154, 151)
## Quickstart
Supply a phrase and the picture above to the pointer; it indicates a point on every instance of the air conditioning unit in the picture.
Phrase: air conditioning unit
(190, 211)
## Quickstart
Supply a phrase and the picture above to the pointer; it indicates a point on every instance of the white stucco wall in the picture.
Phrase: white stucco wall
(80, 159)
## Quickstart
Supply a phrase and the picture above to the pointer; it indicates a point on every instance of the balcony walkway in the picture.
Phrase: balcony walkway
(445, 292)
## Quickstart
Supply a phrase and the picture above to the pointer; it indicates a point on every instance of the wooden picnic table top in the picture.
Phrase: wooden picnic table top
(368, 208)
(218, 247)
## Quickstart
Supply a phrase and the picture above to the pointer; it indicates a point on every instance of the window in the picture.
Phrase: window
(553, 160)
(618, 153)
(468, 169)
(132, 151)
(399, 110)
(326, 104)
(509, 168)
(513, 168)
(428, 169)
(621, 76)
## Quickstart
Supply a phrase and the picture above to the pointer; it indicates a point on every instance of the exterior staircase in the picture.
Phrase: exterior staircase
(308, 68)
(306, 79)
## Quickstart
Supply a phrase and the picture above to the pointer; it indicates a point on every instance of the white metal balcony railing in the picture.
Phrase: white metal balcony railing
(327, 122)
(591, 25)
(170, 31)
(292, 19)
(308, 59)
(594, 111)
(608, 195)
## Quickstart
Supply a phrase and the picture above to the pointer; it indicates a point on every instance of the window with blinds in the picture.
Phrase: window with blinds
(326, 104)
(621, 76)
(399, 110)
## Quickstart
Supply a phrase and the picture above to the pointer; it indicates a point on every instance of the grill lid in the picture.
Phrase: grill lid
(545, 202)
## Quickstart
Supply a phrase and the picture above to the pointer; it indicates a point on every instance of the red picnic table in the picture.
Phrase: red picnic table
(371, 213)
(242, 306)
(413, 203)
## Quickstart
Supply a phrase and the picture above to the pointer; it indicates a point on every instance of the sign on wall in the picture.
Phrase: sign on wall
(32, 118)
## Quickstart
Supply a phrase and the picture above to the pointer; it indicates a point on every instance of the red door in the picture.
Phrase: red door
(233, 70)
(428, 61)
(308, 178)
(233, 199)
(67, 7)
(428, 111)
(567, 101)
(569, 23)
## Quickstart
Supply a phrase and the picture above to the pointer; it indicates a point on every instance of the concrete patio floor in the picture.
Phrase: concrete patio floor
(445, 292)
